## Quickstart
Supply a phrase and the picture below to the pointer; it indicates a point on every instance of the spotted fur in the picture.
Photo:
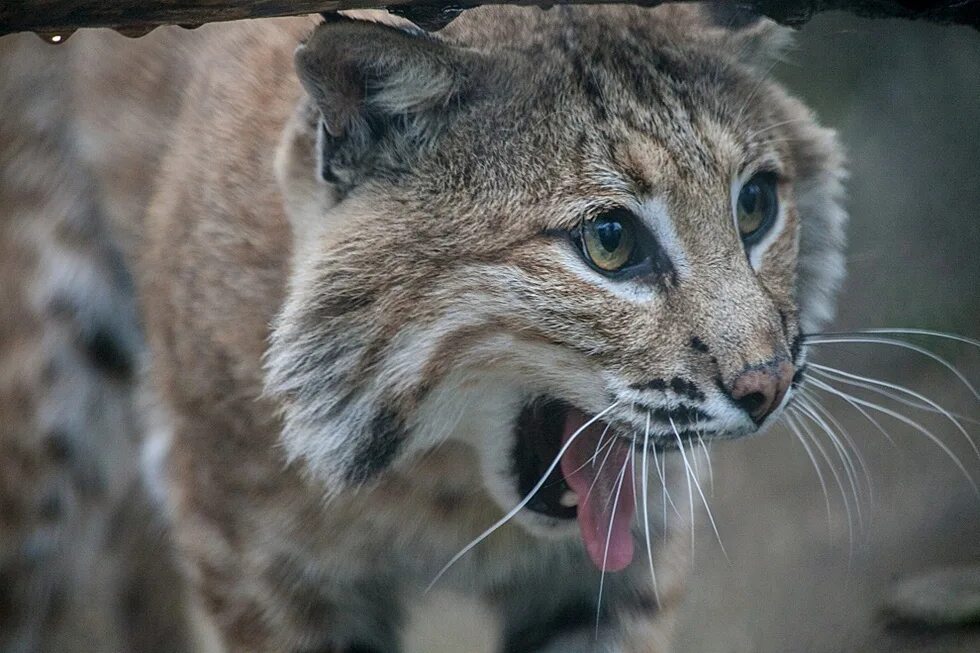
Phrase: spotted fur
(356, 271)
(83, 563)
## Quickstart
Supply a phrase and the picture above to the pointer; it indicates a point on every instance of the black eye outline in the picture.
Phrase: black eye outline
(764, 187)
(639, 262)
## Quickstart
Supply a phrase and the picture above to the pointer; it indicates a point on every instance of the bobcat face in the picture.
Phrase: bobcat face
(586, 232)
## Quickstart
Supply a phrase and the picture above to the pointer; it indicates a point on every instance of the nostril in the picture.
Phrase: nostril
(759, 390)
(752, 403)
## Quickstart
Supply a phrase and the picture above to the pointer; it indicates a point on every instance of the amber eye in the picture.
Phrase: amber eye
(609, 240)
(757, 207)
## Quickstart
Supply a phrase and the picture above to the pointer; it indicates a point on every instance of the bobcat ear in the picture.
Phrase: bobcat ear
(754, 39)
(762, 43)
(370, 80)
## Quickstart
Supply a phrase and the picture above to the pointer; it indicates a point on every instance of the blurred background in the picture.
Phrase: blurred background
(905, 98)
(799, 576)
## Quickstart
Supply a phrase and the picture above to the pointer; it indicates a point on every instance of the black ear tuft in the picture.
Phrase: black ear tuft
(428, 17)
(333, 17)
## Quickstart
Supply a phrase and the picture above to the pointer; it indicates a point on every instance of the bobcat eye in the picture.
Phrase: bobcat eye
(756, 207)
(609, 241)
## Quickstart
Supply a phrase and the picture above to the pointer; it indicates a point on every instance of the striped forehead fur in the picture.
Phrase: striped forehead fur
(439, 259)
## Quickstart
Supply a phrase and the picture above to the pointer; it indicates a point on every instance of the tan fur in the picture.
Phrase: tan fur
(81, 544)
(351, 282)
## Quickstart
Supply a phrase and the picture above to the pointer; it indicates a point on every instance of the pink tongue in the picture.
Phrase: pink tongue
(603, 518)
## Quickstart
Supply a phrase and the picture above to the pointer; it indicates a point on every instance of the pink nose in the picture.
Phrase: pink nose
(760, 389)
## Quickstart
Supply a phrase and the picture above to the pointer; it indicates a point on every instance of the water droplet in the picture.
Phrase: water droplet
(57, 38)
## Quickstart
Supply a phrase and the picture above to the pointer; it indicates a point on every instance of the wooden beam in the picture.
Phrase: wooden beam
(134, 17)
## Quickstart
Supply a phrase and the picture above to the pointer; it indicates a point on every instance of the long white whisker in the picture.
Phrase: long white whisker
(833, 471)
(605, 555)
(899, 388)
(892, 331)
(690, 491)
(910, 422)
(646, 507)
(662, 471)
(602, 466)
(707, 508)
(636, 506)
(661, 468)
(662, 474)
(707, 459)
(513, 511)
(809, 452)
(695, 464)
(598, 445)
(821, 340)
(884, 392)
(847, 397)
(819, 407)
(849, 469)
(592, 458)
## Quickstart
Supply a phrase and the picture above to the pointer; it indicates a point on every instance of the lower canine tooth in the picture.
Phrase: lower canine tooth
(568, 499)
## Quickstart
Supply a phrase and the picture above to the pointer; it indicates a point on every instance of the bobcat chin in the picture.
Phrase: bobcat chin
(417, 299)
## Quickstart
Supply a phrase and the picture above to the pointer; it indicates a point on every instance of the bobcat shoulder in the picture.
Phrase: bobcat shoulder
(425, 279)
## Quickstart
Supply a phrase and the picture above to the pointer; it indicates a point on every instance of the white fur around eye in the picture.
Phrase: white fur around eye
(630, 290)
(756, 252)
(654, 216)
(657, 218)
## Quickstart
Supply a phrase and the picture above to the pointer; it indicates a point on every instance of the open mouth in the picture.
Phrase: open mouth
(593, 482)
(540, 428)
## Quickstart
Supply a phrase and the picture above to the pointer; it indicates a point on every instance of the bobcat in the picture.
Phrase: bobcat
(425, 310)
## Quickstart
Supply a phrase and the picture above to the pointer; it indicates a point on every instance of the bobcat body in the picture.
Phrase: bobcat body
(376, 314)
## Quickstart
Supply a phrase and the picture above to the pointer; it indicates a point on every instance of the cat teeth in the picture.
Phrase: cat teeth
(568, 499)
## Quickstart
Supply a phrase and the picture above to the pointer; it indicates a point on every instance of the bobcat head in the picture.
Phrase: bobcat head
(585, 230)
